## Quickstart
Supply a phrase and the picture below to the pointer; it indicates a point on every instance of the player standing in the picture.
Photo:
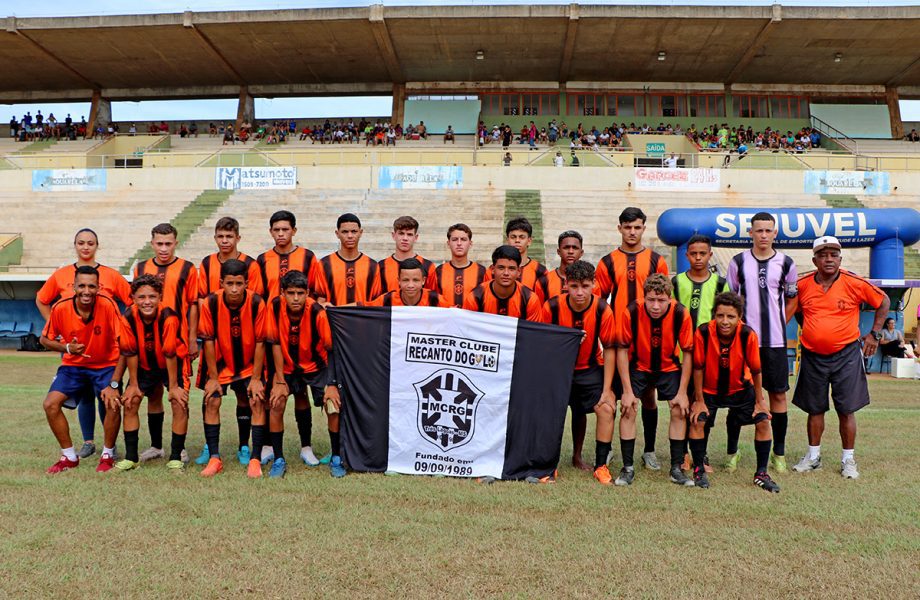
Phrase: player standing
(412, 291)
(347, 276)
(569, 248)
(504, 294)
(460, 275)
(405, 234)
(532, 273)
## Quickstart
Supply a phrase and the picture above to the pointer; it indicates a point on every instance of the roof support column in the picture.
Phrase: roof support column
(100, 112)
(399, 104)
(894, 112)
(246, 110)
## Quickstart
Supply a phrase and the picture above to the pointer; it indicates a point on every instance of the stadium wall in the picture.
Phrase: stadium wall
(856, 120)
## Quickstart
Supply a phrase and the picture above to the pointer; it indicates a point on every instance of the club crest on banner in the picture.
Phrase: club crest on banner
(447, 402)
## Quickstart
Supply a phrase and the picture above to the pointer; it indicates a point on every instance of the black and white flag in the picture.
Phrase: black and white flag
(433, 391)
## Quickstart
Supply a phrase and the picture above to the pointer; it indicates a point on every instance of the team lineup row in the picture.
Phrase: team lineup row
(697, 341)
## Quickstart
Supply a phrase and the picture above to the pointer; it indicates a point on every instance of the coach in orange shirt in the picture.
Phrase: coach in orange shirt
(828, 309)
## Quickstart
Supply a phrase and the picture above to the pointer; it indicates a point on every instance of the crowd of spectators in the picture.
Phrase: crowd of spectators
(38, 128)
(578, 137)
(741, 139)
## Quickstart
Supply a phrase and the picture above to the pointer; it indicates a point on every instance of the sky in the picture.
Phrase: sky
(319, 107)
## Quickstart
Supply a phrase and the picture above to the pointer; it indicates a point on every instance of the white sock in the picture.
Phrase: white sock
(307, 453)
(69, 453)
(814, 452)
(847, 454)
(109, 451)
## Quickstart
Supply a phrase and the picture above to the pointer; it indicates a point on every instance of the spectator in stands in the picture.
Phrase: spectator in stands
(506, 160)
(212, 130)
(228, 135)
(913, 136)
(391, 137)
(507, 135)
(183, 131)
(671, 161)
(193, 130)
(575, 162)
(558, 161)
(422, 130)
(892, 343)
(14, 127)
(132, 130)
(164, 128)
(449, 134)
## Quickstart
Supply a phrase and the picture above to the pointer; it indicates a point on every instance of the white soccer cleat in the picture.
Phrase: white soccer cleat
(152, 453)
(848, 469)
(308, 458)
(807, 464)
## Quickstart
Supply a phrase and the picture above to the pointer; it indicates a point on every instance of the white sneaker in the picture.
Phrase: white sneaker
(183, 456)
(152, 454)
(807, 464)
(848, 469)
(308, 458)
(651, 461)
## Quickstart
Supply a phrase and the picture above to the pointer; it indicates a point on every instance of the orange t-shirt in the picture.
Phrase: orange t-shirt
(235, 333)
(152, 342)
(343, 282)
(100, 333)
(456, 283)
(622, 274)
(209, 275)
(727, 368)
(596, 320)
(429, 298)
(831, 319)
(274, 265)
(533, 276)
(60, 285)
(389, 274)
(522, 303)
(303, 341)
(655, 344)
(180, 286)
(555, 284)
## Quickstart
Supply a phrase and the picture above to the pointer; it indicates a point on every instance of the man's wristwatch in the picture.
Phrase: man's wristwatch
(114, 385)
(876, 334)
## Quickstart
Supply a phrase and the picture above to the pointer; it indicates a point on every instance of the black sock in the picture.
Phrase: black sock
(649, 428)
(601, 452)
(304, 426)
(258, 441)
(155, 424)
(243, 423)
(628, 448)
(677, 452)
(177, 446)
(212, 439)
(335, 440)
(733, 432)
(698, 452)
(278, 443)
(763, 454)
(131, 445)
(779, 423)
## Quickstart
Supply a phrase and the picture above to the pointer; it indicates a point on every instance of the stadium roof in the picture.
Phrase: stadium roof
(367, 49)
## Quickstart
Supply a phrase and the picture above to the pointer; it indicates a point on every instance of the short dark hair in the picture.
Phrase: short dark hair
(295, 279)
(506, 252)
(147, 279)
(347, 218)
(519, 224)
(657, 283)
(405, 223)
(699, 238)
(631, 214)
(729, 299)
(411, 264)
(85, 270)
(227, 224)
(234, 267)
(164, 229)
(85, 230)
(460, 227)
(571, 233)
(283, 215)
(763, 216)
(580, 270)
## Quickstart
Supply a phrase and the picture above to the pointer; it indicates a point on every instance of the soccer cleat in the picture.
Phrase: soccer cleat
(268, 455)
(679, 477)
(627, 474)
(106, 463)
(336, 468)
(152, 453)
(325, 460)
(778, 463)
(551, 478)
(308, 458)
(603, 476)
(763, 481)
(487, 480)
(650, 461)
(731, 465)
(203, 457)
(279, 468)
(848, 469)
(86, 450)
(700, 479)
(392, 473)
(63, 464)
(176, 465)
(215, 465)
(242, 455)
(126, 465)
(807, 464)
(254, 469)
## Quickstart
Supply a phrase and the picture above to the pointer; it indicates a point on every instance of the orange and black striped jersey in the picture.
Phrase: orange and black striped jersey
(180, 286)
(152, 342)
(533, 275)
(343, 282)
(428, 298)
(100, 333)
(209, 275)
(555, 284)
(304, 341)
(727, 368)
(622, 274)
(235, 333)
(389, 274)
(522, 303)
(60, 285)
(455, 284)
(596, 320)
(273, 266)
(655, 344)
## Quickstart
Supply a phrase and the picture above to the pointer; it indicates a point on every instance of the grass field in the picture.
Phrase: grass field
(152, 534)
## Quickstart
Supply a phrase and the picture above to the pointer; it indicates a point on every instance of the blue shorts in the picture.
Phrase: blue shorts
(76, 381)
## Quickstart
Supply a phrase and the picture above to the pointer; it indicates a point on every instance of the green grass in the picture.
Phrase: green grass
(151, 534)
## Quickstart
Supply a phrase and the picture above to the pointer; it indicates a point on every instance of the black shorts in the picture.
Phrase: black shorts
(774, 369)
(587, 387)
(667, 383)
(149, 380)
(740, 406)
(299, 383)
(843, 372)
(240, 387)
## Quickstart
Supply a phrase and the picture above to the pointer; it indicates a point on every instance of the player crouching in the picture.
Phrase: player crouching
(726, 374)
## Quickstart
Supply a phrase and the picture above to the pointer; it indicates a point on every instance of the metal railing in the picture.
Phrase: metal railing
(840, 137)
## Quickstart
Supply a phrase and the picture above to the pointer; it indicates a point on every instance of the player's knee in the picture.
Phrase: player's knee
(212, 403)
(604, 410)
(51, 404)
(762, 427)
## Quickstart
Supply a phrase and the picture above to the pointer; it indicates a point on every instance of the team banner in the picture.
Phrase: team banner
(420, 177)
(255, 178)
(687, 180)
(439, 391)
(68, 180)
(867, 183)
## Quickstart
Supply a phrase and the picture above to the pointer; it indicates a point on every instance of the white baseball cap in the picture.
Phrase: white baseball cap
(825, 241)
